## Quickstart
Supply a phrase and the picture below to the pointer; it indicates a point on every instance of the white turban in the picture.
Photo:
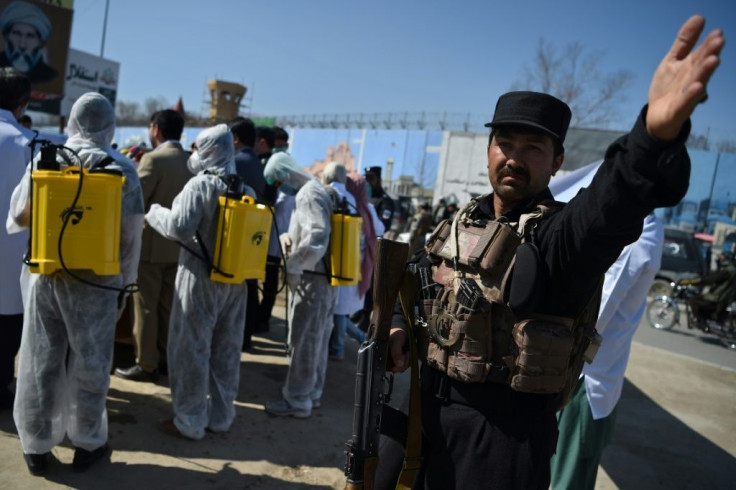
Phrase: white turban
(25, 13)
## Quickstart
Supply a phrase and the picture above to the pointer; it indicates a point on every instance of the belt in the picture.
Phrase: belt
(489, 396)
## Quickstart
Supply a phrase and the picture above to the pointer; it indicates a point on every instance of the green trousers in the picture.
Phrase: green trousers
(580, 443)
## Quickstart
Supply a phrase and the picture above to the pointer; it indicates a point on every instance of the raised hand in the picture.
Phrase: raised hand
(680, 81)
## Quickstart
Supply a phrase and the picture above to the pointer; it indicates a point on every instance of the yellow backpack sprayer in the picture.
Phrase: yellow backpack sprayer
(243, 232)
(75, 217)
(345, 260)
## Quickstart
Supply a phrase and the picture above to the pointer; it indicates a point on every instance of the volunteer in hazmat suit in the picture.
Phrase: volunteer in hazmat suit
(334, 176)
(207, 317)
(313, 298)
(69, 326)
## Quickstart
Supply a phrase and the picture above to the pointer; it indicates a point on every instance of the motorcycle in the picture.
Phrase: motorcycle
(663, 313)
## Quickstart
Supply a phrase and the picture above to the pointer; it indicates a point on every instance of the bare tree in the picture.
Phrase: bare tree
(726, 146)
(127, 113)
(574, 76)
(698, 142)
(153, 104)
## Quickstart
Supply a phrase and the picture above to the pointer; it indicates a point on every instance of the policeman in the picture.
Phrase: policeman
(498, 357)
(379, 197)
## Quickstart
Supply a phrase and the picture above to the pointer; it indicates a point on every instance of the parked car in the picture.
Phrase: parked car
(682, 257)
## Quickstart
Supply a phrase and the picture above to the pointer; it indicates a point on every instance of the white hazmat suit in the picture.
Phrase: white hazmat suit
(313, 298)
(207, 317)
(69, 327)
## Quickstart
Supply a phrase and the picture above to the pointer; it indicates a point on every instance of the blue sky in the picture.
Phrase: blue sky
(338, 57)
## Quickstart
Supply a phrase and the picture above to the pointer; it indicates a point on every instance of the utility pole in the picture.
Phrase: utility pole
(710, 195)
(104, 29)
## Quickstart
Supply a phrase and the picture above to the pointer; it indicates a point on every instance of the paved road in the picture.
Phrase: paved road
(676, 429)
(688, 342)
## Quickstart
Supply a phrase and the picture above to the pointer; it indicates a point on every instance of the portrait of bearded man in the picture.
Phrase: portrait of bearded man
(25, 30)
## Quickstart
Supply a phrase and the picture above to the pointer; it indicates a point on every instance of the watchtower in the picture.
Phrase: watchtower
(225, 99)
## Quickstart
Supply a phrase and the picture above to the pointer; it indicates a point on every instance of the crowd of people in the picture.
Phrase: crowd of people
(498, 387)
(185, 326)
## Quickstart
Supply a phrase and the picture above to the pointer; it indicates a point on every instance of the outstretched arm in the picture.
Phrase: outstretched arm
(680, 81)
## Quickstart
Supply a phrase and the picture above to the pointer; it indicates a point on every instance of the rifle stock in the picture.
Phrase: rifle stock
(362, 449)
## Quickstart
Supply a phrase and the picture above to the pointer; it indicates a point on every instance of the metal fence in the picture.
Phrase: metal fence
(444, 121)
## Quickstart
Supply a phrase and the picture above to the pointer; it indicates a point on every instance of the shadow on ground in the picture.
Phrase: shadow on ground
(121, 475)
(653, 449)
(259, 451)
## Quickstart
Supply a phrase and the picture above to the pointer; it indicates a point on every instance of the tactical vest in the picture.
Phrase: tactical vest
(467, 330)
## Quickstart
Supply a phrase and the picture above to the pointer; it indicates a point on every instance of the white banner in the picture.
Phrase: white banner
(88, 73)
(463, 169)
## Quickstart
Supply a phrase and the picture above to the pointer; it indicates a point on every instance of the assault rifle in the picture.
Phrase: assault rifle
(372, 385)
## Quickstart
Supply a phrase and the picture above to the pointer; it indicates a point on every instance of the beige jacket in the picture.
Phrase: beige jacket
(163, 173)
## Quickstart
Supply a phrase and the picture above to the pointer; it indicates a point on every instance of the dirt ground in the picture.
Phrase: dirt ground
(675, 430)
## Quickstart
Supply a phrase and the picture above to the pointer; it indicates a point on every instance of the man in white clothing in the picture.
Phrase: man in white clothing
(348, 301)
(312, 296)
(586, 425)
(15, 92)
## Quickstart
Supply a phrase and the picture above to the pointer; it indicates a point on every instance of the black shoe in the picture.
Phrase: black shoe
(137, 373)
(83, 459)
(37, 463)
(163, 369)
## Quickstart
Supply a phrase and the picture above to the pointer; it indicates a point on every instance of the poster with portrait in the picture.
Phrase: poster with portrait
(35, 41)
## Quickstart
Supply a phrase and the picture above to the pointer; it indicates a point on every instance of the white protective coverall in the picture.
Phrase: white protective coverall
(207, 317)
(68, 326)
(313, 298)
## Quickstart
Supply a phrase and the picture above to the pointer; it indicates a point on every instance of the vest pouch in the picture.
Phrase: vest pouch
(489, 248)
(436, 355)
(468, 357)
(438, 238)
(543, 351)
(498, 253)
(428, 308)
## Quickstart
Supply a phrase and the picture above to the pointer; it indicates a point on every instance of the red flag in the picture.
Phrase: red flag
(179, 106)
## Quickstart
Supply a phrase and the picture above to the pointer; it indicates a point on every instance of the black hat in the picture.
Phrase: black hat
(534, 110)
(373, 171)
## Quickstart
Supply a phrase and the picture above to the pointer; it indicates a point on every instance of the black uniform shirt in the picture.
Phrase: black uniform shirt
(384, 208)
(578, 244)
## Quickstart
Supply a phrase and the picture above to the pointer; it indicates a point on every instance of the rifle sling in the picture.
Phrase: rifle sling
(413, 447)
(394, 424)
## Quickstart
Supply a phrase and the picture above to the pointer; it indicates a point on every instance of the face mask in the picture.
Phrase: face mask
(287, 189)
(369, 191)
(194, 163)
